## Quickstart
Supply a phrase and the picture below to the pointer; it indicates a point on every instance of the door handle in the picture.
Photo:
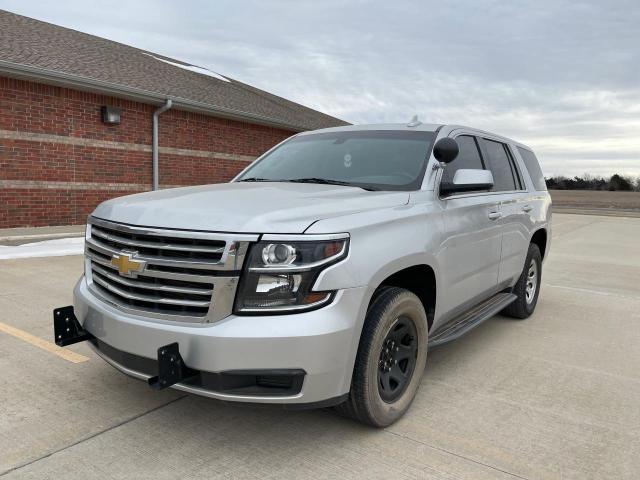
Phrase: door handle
(527, 208)
(494, 215)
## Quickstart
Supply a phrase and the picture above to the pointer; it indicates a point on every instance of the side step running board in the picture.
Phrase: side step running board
(471, 319)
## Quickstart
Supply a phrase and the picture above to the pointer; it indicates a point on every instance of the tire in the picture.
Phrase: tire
(527, 299)
(395, 315)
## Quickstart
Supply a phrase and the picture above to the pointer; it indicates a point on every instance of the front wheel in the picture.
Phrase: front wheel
(391, 359)
(527, 288)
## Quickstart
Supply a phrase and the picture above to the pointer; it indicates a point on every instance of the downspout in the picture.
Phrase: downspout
(154, 146)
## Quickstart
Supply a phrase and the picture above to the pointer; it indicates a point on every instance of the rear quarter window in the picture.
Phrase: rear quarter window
(533, 167)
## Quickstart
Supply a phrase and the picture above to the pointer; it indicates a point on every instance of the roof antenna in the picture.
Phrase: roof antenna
(414, 122)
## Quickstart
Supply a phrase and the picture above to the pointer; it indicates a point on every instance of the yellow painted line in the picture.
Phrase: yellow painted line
(43, 344)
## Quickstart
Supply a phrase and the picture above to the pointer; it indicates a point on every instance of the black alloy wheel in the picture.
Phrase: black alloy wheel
(397, 359)
(391, 358)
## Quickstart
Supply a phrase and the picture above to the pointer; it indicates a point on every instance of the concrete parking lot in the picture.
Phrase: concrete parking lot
(554, 396)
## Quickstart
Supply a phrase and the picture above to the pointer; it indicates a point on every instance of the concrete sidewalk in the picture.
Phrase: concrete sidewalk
(556, 396)
(19, 236)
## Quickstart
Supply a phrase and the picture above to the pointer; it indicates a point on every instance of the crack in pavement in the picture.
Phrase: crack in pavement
(89, 437)
(515, 475)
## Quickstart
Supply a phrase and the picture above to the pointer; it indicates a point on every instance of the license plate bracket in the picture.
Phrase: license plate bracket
(171, 368)
(66, 327)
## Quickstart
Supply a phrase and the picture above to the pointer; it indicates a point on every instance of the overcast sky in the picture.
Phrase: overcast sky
(560, 76)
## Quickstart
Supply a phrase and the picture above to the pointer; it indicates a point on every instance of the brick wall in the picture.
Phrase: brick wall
(58, 160)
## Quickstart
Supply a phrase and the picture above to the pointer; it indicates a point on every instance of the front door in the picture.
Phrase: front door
(470, 252)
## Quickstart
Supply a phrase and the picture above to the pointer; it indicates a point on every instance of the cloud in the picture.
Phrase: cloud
(560, 76)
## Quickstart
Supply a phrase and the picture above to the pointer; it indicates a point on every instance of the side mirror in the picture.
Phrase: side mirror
(446, 150)
(468, 180)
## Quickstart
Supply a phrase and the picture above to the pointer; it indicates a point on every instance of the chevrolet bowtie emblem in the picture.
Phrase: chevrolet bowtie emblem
(127, 266)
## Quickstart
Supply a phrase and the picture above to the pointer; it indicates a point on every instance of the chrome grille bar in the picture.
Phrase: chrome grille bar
(149, 298)
(187, 277)
(97, 232)
(152, 259)
(139, 283)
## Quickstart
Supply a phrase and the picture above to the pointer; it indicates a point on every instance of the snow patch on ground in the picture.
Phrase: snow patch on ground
(48, 248)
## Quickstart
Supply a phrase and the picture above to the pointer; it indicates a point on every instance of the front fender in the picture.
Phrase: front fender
(382, 243)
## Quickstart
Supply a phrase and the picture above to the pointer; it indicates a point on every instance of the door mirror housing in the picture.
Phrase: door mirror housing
(446, 150)
(468, 180)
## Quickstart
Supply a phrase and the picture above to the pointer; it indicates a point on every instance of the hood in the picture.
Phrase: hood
(245, 207)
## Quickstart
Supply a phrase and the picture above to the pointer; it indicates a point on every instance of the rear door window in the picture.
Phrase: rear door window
(533, 167)
(517, 176)
(468, 157)
(504, 178)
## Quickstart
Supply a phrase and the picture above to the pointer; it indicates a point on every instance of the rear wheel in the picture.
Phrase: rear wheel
(527, 288)
(391, 359)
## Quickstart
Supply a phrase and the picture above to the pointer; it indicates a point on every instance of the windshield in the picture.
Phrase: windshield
(371, 159)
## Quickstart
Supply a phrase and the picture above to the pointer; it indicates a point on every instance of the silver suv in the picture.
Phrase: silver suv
(323, 273)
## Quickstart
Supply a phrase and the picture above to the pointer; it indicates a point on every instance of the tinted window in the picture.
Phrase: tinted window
(469, 157)
(533, 167)
(515, 169)
(500, 165)
(382, 159)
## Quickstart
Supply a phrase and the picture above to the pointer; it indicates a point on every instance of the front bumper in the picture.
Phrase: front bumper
(322, 343)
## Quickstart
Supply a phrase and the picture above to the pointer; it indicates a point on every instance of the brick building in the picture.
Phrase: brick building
(76, 116)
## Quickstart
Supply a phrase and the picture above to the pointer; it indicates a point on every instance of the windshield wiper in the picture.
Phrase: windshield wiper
(325, 181)
(256, 179)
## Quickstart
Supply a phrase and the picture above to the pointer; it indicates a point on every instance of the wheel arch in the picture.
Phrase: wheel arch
(419, 279)
(539, 238)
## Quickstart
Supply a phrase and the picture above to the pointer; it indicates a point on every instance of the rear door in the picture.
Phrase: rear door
(510, 193)
(470, 252)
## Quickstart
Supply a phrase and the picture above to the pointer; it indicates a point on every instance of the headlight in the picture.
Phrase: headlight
(279, 274)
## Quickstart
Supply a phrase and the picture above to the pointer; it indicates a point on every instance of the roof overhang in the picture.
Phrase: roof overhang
(77, 82)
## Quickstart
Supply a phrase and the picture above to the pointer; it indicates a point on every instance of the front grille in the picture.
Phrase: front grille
(186, 275)
(161, 252)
